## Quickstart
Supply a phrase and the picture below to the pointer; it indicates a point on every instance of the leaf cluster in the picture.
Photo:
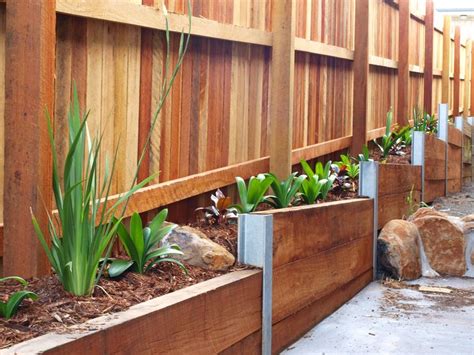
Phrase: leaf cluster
(9, 308)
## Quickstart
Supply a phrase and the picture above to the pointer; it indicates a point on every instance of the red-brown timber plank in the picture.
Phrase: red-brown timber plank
(361, 77)
(457, 70)
(199, 319)
(428, 69)
(446, 59)
(282, 86)
(403, 62)
(29, 90)
(294, 236)
(408, 177)
(296, 325)
(318, 275)
(145, 109)
(79, 58)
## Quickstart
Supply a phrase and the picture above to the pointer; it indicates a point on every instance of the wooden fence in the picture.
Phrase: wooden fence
(264, 84)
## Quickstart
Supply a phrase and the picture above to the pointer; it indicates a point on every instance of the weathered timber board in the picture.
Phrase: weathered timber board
(454, 180)
(435, 168)
(396, 183)
(300, 283)
(308, 230)
(200, 319)
(297, 324)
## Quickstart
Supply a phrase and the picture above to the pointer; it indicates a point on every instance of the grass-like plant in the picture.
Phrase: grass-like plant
(87, 222)
(253, 195)
(141, 245)
(365, 155)
(323, 173)
(9, 308)
(284, 192)
(387, 141)
(87, 225)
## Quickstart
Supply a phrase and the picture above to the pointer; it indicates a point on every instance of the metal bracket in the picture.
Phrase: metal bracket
(368, 187)
(255, 247)
(418, 156)
(443, 135)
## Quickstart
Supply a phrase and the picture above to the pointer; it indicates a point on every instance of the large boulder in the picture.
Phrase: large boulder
(444, 244)
(199, 250)
(398, 249)
(426, 212)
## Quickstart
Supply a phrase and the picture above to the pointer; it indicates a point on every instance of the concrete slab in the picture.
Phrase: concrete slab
(397, 318)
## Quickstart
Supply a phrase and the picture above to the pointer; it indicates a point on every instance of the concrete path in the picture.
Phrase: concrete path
(398, 318)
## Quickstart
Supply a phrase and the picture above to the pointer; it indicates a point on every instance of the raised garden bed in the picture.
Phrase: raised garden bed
(317, 264)
(393, 186)
(199, 318)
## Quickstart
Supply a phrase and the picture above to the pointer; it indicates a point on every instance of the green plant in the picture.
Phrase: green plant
(87, 221)
(347, 167)
(365, 155)
(284, 192)
(220, 211)
(253, 196)
(323, 173)
(87, 226)
(390, 141)
(310, 189)
(9, 308)
(141, 245)
(424, 122)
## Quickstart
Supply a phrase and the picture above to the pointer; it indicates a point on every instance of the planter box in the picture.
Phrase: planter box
(390, 185)
(454, 160)
(207, 318)
(322, 255)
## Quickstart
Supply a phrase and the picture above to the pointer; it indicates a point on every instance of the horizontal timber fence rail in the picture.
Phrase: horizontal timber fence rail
(233, 110)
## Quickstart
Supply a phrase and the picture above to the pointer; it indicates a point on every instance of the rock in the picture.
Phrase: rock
(399, 251)
(425, 212)
(199, 250)
(444, 244)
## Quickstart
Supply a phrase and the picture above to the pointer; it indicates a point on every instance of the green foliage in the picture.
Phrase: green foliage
(424, 122)
(87, 228)
(365, 155)
(220, 211)
(348, 166)
(324, 174)
(253, 195)
(310, 189)
(141, 245)
(392, 141)
(10, 307)
(88, 223)
(284, 192)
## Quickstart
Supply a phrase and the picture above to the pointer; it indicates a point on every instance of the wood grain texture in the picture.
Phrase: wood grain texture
(454, 160)
(435, 168)
(282, 83)
(393, 194)
(29, 89)
(291, 222)
(361, 77)
(317, 276)
(429, 54)
(457, 73)
(445, 97)
(296, 325)
(404, 38)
